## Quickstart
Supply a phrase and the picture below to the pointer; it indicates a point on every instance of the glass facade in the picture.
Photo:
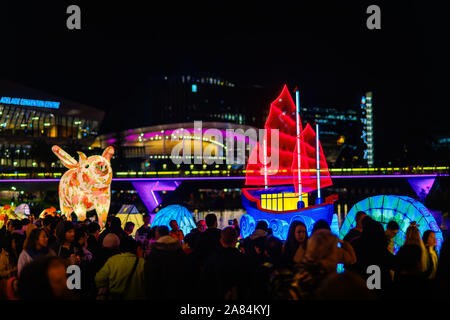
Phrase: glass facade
(26, 122)
(27, 131)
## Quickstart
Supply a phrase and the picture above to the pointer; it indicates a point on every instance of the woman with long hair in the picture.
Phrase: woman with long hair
(295, 245)
(30, 227)
(66, 247)
(413, 237)
(36, 246)
(323, 253)
(8, 257)
(429, 240)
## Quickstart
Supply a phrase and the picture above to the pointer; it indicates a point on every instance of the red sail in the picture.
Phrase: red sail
(309, 164)
(282, 117)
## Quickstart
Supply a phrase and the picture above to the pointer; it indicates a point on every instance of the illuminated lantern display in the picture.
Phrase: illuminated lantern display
(178, 213)
(283, 191)
(129, 213)
(7, 212)
(401, 209)
(49, 212)
(22, 211)
(86, 185)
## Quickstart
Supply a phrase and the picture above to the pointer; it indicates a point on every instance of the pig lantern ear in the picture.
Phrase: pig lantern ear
(82, 157)
(108, 153)
(65, 158)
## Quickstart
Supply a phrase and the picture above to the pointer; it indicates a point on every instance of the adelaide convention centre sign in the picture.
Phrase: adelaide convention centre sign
(30, 102)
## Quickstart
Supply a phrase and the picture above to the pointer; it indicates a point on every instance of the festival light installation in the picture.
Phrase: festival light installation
(402, 209)
(86, 185)
(286, 198)
(178, 213)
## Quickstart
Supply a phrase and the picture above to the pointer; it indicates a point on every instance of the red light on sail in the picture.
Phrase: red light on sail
(282, 117)
(309, 165)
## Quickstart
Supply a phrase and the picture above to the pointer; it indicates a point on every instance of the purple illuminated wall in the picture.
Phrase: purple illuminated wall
(148, 191)
(422, 186)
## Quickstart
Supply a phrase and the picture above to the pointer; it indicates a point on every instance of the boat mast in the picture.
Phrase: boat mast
(265, 161)
(300, 203)
(319, 199)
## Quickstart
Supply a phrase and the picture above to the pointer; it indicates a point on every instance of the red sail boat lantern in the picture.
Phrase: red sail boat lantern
(276, 197)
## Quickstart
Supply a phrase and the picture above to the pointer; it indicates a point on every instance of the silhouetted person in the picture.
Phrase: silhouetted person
(355, 233)
(319, 263)
(92, 240)
(226, 275)
(123, 274)
(260, 287)
(193, 237)
(175, 231)
(143, 232)
(260, 234)
(113, 225)
(371, 249)
(442, 273)
(209, 240)
(392, 229)
(410, 281)
(164, 270)
(320, 225)
(295, 245)
(129, 228)
(45, 279)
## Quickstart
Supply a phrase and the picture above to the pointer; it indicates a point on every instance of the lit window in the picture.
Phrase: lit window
(194, 88)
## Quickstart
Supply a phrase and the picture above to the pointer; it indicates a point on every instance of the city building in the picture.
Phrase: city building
(32, 121)
(343, 134)
(179, 98)
(367, 133)
(185, 145)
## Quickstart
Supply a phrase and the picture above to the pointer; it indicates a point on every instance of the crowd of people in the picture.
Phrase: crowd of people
(208, 263)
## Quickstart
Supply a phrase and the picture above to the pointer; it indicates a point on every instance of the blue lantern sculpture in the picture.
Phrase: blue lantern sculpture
(178, 213)
(402, 209)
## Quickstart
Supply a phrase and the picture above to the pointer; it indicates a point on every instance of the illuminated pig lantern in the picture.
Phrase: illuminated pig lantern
(87, 185)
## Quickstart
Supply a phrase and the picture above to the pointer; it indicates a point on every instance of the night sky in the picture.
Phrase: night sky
(323, 47)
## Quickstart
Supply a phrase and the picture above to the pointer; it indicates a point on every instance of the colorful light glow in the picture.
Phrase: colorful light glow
(422, 187)
(147, 191)
(281, 116)
(239, 177)
(402, 209)
(318, 160)
(175, 212)
(298, 148)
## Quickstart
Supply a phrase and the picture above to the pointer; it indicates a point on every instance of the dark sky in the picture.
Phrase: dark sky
(323, 47)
